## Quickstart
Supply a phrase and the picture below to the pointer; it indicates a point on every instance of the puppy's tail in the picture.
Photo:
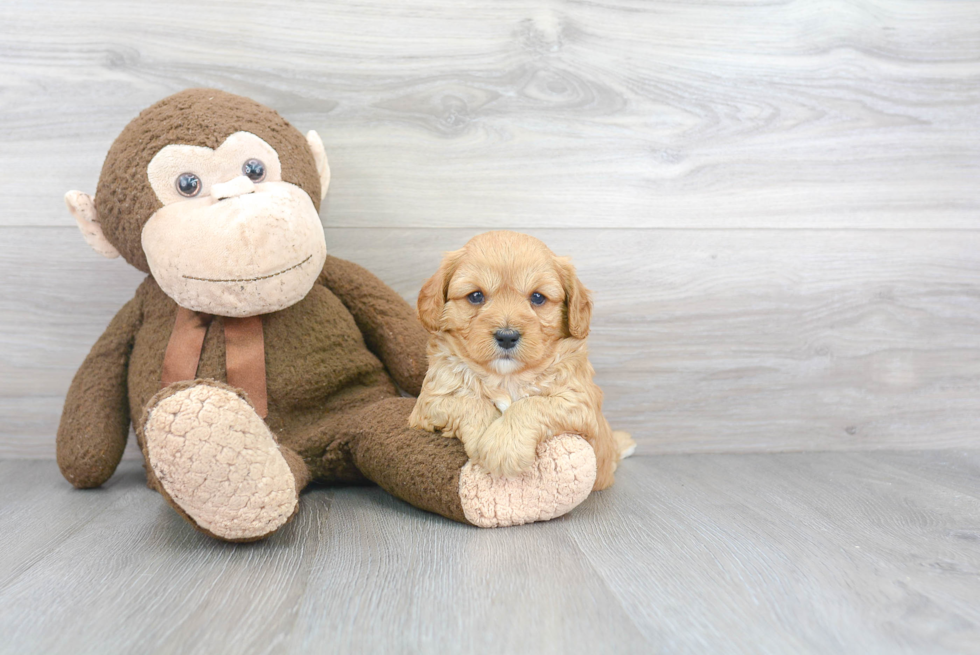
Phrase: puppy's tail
(625, 445)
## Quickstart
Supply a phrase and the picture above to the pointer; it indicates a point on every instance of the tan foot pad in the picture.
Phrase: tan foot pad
(219, 463)
(561, 477)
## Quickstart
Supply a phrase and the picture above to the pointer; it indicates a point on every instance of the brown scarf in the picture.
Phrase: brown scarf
(244, 353)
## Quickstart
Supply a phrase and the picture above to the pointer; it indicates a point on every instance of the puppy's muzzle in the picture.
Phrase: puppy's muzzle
(507, 339)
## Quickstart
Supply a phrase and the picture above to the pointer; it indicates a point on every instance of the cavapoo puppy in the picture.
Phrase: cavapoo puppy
(508, 363)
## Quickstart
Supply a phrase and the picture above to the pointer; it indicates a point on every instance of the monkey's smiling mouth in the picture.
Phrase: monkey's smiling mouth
(249, 279)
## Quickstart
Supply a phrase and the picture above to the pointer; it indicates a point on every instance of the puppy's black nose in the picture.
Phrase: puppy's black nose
(507, 339)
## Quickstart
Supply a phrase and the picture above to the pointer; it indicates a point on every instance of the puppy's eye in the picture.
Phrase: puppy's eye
(475, 298)
(188, 185)
(537, 298)
(254, 170)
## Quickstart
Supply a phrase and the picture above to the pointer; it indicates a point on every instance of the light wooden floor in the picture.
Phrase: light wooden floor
(787, 553)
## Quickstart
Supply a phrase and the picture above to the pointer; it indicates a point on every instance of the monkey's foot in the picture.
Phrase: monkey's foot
(560, 478)
(217, 462)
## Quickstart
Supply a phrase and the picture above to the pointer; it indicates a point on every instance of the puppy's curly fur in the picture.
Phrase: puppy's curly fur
(502, 401)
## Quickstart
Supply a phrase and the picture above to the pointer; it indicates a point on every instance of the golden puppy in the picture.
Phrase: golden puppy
(508, 364)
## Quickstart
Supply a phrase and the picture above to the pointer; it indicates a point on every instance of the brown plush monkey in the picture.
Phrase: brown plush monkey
(250, 362)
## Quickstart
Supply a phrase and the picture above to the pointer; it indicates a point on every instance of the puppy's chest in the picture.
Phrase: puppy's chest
(508, 390)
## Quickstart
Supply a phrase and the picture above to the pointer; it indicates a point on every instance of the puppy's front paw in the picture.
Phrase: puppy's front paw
(426, 417)
(477, 424)
(502, 450)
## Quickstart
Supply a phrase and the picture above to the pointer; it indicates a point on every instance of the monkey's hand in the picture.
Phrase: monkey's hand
(95, 422)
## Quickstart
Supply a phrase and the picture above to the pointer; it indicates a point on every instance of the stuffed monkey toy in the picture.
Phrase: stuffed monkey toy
(250, 362)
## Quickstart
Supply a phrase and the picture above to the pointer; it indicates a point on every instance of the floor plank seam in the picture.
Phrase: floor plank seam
(64, 538)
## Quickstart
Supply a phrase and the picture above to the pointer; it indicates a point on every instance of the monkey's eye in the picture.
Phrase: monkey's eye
(475, 298)
(254, 170)
(188, 185)
(537, 298)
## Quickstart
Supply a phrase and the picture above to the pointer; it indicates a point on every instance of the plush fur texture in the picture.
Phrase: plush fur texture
(560, 478)
(196, 117)
(335, 354)
(331, 398)
(203, 259)
(217, 461)
(502, 403)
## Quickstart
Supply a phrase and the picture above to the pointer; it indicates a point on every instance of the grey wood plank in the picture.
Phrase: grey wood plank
(441, 587)
(827, 553)
(533, 114)
(958, 470)
(363, 573)
(137, 576)
(39, 511)
(742, 340)
(774, 553)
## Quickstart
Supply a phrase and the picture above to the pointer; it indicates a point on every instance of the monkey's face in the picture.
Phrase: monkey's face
(232, 238)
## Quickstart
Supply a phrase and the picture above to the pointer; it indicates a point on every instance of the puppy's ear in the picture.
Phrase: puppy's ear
(578, 300)
(432, 296)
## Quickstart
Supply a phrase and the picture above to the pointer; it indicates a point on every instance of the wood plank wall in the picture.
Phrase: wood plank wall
(777, 204)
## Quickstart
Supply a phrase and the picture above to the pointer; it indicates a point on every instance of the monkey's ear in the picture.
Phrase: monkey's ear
(82, 207)
(320, 157)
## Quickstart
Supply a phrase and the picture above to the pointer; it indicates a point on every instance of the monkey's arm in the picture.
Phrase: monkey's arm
(95, 421)
(388, 323)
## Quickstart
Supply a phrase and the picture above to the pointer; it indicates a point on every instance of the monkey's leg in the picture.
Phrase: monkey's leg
(433, 473)
(216, 462)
